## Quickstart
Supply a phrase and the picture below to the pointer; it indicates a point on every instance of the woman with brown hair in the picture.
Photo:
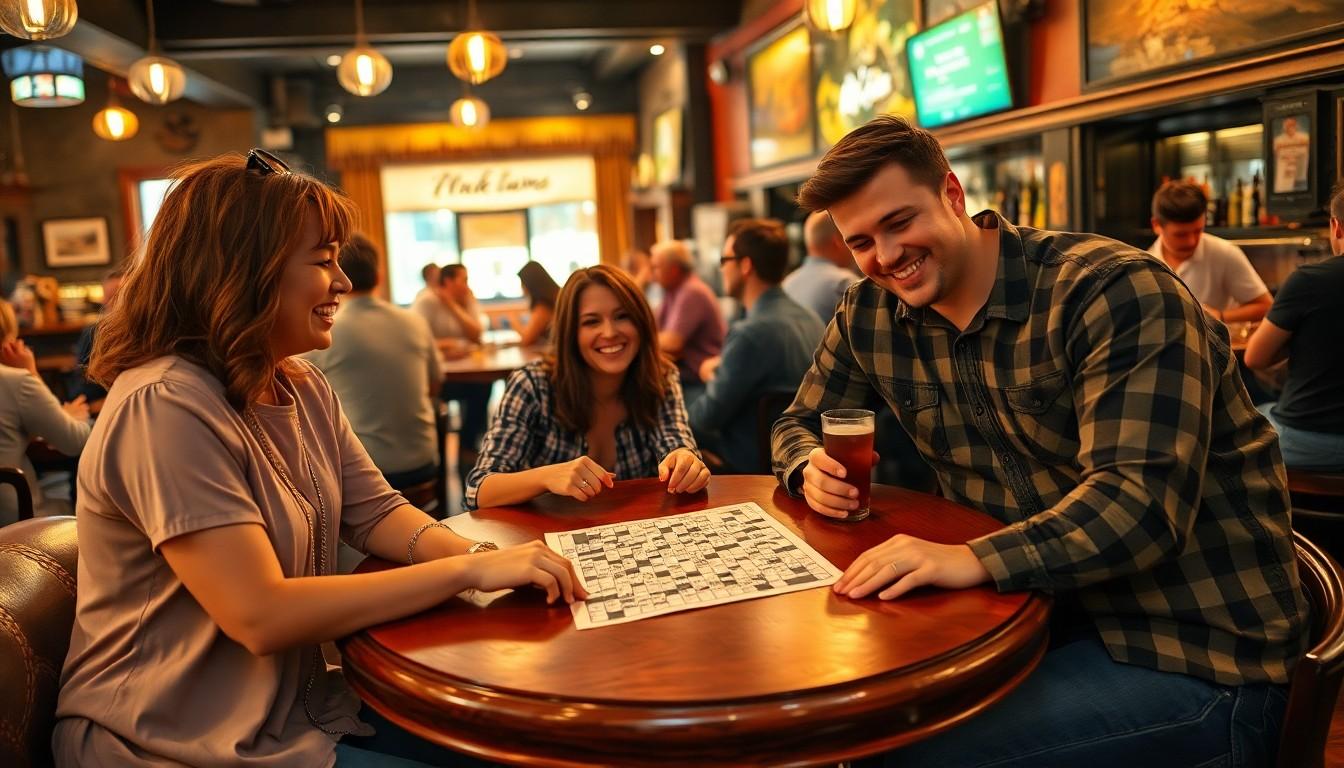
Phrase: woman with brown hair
(541, 292)
(605, 397)
(213, 489)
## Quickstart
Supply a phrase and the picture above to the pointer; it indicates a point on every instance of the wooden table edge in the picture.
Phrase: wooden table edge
(450, 710)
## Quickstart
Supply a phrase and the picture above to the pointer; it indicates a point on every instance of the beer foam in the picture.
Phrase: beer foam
(847, 429)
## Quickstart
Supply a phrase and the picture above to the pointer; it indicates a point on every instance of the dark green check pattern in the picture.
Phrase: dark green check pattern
(1095, 410)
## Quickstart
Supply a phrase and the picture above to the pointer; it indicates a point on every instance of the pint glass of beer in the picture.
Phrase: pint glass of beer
(847, 437)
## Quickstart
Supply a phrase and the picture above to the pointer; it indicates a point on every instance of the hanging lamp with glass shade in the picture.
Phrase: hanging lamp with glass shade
(44, 76)
(476, 56)
(469, 111)
(156, 79)
(38, 19)
(363, 71)
(829, 16)
(114, 122)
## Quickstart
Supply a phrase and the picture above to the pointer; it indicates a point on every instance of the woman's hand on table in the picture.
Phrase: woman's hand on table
(531, 563)
(683, 471)
(581, 478)
(906, 562)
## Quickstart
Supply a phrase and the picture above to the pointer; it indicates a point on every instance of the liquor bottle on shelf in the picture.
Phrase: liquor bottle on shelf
(1210, 206)
(1234, 206)
(1248, 207)
(1257, 201)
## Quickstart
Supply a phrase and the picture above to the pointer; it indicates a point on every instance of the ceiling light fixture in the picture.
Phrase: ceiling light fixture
(469, 111)
(829, 16)
(657, 49)
(582, 100)
(334, 60)
(155, 79)
(476, 56)
(43, 76)
(114, 122)
(334, 113)
(363, 71)
(38, 19)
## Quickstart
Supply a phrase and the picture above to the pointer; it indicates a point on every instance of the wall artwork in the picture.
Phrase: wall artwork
(862, 73)
(667, 147)
(76, 242)
(779, 87)
(1127, 38)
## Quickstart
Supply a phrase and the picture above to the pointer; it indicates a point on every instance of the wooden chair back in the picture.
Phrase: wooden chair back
(1316, 680)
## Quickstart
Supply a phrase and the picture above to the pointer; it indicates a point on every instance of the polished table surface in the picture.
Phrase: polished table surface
(489, 363)
(806, 678)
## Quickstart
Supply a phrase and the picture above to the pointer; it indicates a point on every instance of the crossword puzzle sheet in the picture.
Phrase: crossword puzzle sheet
(647, 568)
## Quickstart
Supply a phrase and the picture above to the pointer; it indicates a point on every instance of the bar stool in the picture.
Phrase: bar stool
(1318, 507)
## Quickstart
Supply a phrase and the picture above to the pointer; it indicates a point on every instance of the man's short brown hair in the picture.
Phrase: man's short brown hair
(1180, 202)
(1336, 206)
(864, 151)
(765, 242)
(359, 261)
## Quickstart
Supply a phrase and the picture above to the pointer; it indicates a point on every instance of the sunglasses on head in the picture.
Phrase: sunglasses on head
(263, 163)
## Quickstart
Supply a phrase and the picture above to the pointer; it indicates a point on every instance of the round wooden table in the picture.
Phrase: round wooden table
(805, 678)
(488, 364)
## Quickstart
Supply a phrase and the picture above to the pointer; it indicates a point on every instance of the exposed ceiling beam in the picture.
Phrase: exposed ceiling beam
(196, 24)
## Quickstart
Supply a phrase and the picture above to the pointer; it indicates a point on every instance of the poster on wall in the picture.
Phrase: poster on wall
(779, 86)
(1122, 42)
(76, 242)
(862, 73)
(667, 147)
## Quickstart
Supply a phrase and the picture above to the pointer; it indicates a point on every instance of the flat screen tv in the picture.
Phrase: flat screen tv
(958, 68)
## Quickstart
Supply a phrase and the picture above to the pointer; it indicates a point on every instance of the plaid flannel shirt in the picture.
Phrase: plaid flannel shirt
(525, 435)
(1095, 410)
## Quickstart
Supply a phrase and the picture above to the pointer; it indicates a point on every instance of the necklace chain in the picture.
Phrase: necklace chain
(317, 532)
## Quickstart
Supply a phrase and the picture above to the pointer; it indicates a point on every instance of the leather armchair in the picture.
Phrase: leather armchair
(37, 610)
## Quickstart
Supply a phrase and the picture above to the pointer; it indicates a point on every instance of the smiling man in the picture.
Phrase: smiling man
(1072, 388)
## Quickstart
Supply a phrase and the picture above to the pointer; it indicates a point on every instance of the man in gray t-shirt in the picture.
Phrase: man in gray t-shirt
(383, 366)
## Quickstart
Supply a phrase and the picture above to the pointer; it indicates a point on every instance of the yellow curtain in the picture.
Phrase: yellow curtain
(364, 186)
(359, 153)
(613, 205)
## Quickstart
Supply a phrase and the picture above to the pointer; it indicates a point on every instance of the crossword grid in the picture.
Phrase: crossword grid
(651, 567)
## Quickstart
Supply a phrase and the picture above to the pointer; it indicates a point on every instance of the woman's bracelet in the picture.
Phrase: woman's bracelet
(410, 545)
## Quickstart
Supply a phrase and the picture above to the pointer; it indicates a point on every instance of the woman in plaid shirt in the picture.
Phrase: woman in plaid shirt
(604, 398)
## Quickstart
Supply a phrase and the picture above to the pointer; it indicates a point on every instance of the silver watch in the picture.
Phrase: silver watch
(482, 546)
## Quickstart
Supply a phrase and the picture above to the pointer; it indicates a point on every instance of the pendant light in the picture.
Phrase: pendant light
(38, 19)
(829, 16)
(469, 111)
(114, 122)
(44, 76)
(363, 71)
(156, 79)
(476, 56)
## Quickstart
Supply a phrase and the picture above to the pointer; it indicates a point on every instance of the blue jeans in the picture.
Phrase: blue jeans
(1320, 451)
(394, 747)
(1081, 708)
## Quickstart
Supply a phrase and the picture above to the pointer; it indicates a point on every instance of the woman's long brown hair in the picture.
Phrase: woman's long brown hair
(205, 285)
(646, 380)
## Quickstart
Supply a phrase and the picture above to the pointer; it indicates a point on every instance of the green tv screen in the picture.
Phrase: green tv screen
(958, 68)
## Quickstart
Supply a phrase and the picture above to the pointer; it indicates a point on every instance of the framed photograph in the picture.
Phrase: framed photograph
(1296, 134)
(667, 147)
(779, 94)
(76, 242)
(862, 72)
(1120, 45)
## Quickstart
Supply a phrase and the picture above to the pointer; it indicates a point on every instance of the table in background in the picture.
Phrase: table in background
(487, 364)
(805, 678)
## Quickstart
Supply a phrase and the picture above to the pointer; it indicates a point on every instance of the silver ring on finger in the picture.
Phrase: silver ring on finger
(895, 569)
(584, 483)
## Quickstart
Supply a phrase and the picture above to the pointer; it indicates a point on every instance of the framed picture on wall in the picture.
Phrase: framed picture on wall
(667, 147)
(1120, 45)
(76, 242)
(1295, 137)
(863, 73)
(779, 97)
